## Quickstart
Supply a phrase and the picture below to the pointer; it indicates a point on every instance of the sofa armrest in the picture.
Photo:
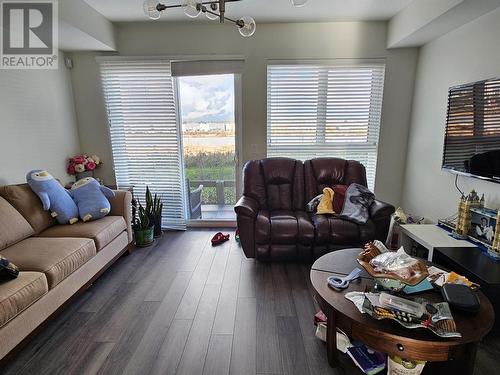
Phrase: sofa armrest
(247, 206)
(246, 212)
(380, 209)
(121, 205)
(380, 213)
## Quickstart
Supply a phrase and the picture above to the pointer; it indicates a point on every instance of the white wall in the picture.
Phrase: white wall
(467, 54)
(38, 124)
(81, 27)
(271, 41)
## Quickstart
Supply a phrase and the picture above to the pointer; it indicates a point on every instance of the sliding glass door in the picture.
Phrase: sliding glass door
(208, 124)
(173, 126)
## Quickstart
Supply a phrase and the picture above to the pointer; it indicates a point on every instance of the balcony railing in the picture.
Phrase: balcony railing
(211, 199)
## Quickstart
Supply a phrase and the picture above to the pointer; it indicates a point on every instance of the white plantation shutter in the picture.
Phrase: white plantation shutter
(144, 132)
(325, 110)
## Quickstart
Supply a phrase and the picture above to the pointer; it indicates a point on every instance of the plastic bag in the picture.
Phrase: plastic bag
(397, 262)
(392, 261)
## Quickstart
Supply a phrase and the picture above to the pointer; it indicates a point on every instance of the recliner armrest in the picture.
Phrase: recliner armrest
(380, 209)
(247, 206)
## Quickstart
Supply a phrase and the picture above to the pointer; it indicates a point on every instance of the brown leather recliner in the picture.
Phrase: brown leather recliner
(272, 217)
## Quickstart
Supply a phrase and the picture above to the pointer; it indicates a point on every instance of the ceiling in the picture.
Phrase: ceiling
(264, 10)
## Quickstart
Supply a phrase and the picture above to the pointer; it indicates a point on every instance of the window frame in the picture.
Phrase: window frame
(322, 146)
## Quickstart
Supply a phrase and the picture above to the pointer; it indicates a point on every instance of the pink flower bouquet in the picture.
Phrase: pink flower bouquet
(82, 163)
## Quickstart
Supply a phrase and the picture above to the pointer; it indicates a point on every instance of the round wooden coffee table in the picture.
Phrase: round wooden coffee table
(450, 355)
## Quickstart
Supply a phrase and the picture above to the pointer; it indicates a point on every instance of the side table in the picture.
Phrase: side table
(430, 236)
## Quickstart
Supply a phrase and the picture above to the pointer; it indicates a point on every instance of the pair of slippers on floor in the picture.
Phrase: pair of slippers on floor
(219, 238)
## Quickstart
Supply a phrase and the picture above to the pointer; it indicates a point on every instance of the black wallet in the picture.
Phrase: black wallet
(460, 297)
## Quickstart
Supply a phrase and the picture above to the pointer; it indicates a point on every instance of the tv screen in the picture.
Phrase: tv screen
(472, 137)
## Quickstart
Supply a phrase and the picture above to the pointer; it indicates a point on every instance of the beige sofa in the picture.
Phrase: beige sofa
(55, 261)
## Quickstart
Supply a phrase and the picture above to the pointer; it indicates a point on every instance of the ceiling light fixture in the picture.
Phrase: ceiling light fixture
(212, 9)
(213, 15)
(299, 3)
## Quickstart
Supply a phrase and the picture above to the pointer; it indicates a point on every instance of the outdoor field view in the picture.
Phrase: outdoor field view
(208, 129)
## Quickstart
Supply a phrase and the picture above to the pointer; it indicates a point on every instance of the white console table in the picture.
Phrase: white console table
(429, 236)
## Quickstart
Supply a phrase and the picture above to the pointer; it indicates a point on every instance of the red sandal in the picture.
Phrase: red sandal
(219, 238)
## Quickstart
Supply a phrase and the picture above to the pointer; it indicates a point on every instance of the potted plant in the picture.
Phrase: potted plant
(154, 208)
(143, 229)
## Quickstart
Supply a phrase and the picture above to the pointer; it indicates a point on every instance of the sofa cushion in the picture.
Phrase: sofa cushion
(328, 172)
(331, 230)
(57, 258)
(284, 181)
(22, 198)
(102, 231)
(283, 227)
(18, 294)
(13, 226)
(321, 228)
(343, 232)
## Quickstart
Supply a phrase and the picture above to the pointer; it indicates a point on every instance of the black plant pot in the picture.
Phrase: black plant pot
(157, 229)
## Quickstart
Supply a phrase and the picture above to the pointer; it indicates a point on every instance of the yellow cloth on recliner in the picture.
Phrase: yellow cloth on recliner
(325, 205)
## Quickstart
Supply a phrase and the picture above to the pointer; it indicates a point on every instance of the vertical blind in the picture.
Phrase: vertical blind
(472, 126)
(325, 110)
(144, 132)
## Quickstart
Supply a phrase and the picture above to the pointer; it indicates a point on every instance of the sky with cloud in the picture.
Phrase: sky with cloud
(207, 98)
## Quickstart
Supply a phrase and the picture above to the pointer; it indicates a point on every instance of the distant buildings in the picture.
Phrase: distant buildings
(208, 127)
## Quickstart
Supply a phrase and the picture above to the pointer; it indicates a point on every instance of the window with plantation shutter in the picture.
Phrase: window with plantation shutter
(325, 110)
(144, 131)
(472, 139)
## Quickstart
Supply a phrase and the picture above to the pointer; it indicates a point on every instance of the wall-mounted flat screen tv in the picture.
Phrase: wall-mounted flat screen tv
(472, 138)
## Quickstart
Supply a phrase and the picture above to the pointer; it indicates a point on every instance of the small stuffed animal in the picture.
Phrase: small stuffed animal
(91, 198)
(53, 196)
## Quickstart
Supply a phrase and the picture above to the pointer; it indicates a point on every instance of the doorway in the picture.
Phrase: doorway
(208, 116)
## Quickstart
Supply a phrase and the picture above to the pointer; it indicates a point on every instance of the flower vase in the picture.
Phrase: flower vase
(84, 174)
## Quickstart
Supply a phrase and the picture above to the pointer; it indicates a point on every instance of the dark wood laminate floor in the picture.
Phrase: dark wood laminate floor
(184, 307)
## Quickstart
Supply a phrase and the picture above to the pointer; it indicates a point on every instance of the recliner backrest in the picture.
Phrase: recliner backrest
(327, 172)
(275, 183)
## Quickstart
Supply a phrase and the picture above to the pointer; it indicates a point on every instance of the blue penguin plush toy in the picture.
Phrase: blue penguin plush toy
(53, 196)
(91, 198)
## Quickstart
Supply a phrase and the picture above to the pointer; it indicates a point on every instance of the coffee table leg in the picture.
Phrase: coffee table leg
(331, 338)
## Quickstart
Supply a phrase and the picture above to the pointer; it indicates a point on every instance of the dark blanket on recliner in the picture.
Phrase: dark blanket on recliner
(358, 200)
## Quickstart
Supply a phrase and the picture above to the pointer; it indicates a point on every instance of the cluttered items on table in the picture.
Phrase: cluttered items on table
(396, 271)
(436, 317)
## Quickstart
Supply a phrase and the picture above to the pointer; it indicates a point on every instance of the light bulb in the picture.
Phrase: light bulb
(213, 8)
(150, 9)
(249, 26)
(299, 3)
(192, 8)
